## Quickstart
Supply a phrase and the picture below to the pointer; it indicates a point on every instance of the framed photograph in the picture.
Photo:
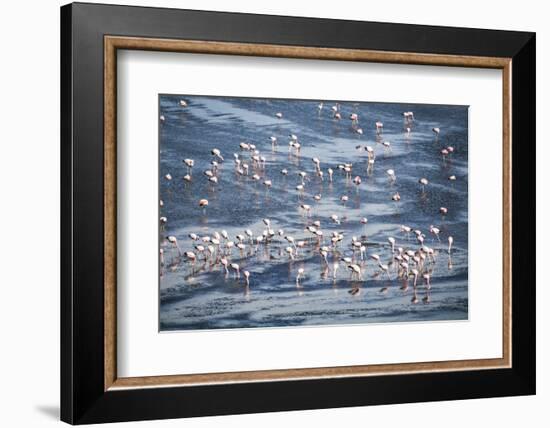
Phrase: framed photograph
(267, 213)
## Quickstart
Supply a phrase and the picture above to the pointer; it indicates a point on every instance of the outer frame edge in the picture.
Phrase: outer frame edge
(66, 304)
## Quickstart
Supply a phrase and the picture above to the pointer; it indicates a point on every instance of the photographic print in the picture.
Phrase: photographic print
(288, 212)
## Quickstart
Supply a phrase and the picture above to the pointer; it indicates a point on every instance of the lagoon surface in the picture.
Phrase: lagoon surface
(201, 295)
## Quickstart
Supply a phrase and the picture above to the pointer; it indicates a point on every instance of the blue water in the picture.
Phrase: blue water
(199, 295)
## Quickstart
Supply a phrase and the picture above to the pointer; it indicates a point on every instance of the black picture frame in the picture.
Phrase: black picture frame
(83, 398)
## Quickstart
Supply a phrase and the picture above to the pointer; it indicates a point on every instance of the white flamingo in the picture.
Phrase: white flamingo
(190, 163)
(217, 154)
(203, 203)
(423, 182)
(236, 268)
(174, 241)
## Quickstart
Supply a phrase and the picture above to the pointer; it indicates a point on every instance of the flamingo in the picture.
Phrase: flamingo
(443, 210)
(291, 240)
(355, 271)
(299, 244)
(435, 231)
(306, 208)
(174, 241)
(335, 110)
(203, 203)
(391, 240)
(370, 151)
(423, 182)
(299, 276)
(317, 163)
(183, 103)
(279, 115)
(246, 277)
(311, 229)
(236, 268)
(385, 269)
(406, 230)
(290, 252)
(391, 174)
(190, 163)
(364, 222)
(451, 240)
(436, 131)
(218, 154)
(162, 221)
(200, 249)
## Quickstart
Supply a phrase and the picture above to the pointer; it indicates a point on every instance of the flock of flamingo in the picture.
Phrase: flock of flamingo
(410, 260)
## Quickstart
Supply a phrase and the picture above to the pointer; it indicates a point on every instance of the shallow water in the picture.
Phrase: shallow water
(201, 295)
